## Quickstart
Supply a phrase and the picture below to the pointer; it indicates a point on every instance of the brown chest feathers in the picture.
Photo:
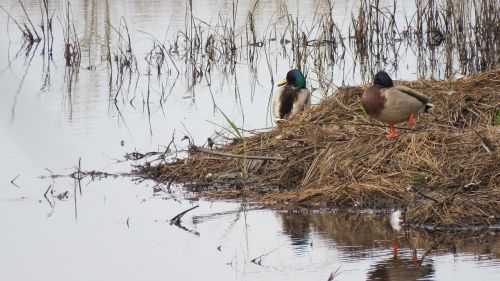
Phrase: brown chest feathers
(373, 101)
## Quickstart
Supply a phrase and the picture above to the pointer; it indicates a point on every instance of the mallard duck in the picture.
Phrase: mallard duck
(393, 104)
(292, 96)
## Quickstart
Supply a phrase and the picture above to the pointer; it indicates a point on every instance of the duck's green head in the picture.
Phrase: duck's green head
(294, 78)
(383, 79)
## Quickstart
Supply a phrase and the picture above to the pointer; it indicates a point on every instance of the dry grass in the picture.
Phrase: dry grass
(446, 171)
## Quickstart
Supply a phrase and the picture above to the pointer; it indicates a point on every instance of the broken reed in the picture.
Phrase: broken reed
(29, 29)
(124, 58)
(72, 51)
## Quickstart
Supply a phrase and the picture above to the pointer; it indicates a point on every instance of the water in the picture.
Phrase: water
(118, 228)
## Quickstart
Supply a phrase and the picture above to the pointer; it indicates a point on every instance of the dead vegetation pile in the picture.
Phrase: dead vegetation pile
(446, 171)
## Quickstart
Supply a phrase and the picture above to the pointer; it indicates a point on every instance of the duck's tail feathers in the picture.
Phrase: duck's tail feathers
(428, 106)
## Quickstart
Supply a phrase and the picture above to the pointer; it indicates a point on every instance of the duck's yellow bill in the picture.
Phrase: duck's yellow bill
(282, 82)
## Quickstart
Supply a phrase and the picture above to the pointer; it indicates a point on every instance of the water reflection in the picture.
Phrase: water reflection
(228, 237)
(297, 226)
(398, 268)
(394, 255)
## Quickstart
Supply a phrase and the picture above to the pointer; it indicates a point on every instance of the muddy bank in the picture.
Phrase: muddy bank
(444, 172)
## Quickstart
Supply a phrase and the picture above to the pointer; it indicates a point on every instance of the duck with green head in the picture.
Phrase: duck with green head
(393, 104)
(292, 96)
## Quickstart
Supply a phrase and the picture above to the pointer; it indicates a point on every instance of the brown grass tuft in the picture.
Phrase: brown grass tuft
(445, 171)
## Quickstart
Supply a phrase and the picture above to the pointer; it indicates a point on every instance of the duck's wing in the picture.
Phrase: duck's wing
(398, 105)
(277, 102)
(416, 94)
(303, 97)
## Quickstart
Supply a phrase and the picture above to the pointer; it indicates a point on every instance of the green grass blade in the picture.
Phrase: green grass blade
(235, 128)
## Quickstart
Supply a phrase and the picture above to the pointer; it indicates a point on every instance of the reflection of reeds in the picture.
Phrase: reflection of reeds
(356, 235)
(123, 57)
(363, 236)
(46, 26)
(362, 230)
(469, 27)
(72, 51)
(445, 35)
(29, 31)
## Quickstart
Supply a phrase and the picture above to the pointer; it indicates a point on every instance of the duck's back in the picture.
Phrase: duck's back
(414, 93)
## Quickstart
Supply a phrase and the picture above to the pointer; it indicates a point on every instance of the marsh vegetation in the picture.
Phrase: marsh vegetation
(447, 38)
(183, 91)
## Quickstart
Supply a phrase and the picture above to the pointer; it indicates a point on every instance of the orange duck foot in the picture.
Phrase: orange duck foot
(414, 257)
(393, 132)
(411, 120)
(395, 247)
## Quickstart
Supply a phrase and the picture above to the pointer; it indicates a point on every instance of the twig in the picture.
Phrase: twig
(253, 157)
(170, 143)
(334, 274)
(360, 124)
(177, 219)
(79, 179)
(263, 255)
(13, 19)
(170, 183)
(433, 247)
(29, 20)
(47, 191)
(370, 152)
(47, 198)
(13, 183)
(485, 142)
(424, 195)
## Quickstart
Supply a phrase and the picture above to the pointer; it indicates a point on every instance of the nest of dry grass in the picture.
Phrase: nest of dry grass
(445, 171)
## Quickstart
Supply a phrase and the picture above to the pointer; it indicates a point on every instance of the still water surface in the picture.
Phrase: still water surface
(118, 228)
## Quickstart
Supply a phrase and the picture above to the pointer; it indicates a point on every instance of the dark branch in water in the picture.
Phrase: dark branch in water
(13, 183)
(188, 230)
(47, 198)
(46, 191)
(177, 219)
